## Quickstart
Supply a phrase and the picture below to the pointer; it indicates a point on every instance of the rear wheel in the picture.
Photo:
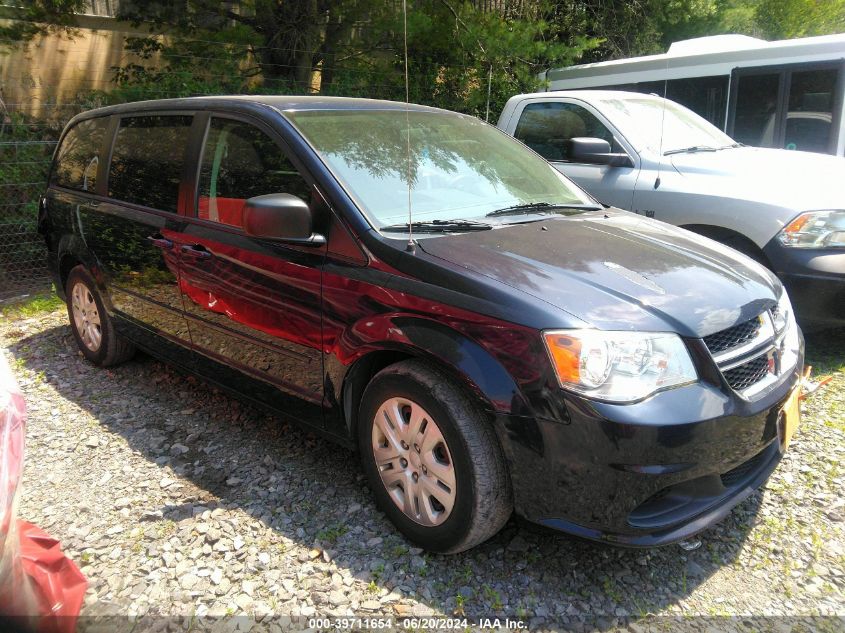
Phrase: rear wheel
(432, 459)
(91, 325)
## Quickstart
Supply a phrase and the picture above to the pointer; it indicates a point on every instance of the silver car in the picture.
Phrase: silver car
(652, 156)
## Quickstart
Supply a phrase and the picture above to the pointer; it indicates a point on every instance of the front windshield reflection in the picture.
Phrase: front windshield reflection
(651, 119)
(459, 168)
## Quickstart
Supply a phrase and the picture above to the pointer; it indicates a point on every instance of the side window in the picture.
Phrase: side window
(546, 127)
(706, 96)
(239, 162)
(148, 159)
(756, 109)
(808, 120)
(79, 155)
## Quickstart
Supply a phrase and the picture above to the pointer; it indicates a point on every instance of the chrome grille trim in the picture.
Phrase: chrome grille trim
(765, 336)
(750, 353)
(735, 336)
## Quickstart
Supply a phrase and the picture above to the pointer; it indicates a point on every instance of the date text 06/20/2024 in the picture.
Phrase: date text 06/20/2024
(424, 623)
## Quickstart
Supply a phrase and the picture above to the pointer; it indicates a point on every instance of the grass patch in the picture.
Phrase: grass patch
(330, 535)
(32, 306)
(493, 597)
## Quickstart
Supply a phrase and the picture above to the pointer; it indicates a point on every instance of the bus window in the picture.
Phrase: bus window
(756, 109)
(810, 111)
(706, 96)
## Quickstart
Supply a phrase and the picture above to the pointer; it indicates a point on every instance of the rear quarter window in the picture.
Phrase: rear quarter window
(79, 155)
(148, 159)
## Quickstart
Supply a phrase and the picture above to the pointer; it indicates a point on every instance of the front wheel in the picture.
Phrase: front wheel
(91, 325)
(432, 459)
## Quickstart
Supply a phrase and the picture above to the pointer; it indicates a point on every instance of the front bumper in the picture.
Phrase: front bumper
(815, 281)
(650, 473)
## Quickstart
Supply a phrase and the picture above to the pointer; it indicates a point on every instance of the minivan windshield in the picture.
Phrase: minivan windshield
(650, 118)
(459, 169)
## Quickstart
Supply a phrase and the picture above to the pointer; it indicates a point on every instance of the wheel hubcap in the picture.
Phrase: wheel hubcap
(414, 461)
(86, 317)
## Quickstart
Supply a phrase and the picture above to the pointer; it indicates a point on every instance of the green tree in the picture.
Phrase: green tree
(636, 27)
(458, 53)
(783, 19)
(274, 43)
(30, 18)
(465, 55)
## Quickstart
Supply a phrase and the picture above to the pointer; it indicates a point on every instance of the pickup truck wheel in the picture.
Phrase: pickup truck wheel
(432, 460)
(749, 248)
(91, 325)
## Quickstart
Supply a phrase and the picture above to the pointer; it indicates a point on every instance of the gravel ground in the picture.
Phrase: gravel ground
(176, 499)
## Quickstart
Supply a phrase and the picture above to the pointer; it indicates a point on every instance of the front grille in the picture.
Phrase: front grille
(733, 336)
(744, 353)
(747, 374)
(742, 472)
(687, 499)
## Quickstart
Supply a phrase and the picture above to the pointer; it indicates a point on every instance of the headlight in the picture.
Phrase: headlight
(782, 315)
(619, 366)
(815, 229)
(783, 319)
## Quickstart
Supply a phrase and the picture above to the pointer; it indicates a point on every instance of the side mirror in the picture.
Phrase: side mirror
(595, 151)
(282, 217)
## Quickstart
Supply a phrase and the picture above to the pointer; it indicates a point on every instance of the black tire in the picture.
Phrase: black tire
(749, 249)
(112, 348)
(483, 499)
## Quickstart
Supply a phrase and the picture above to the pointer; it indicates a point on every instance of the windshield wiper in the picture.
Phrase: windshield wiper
(691, 150)
(542, 207)
(438, 226)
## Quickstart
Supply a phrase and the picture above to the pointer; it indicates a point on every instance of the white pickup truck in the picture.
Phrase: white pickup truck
(652, 156)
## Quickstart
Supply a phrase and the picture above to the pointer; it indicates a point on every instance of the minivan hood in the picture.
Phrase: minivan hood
(800, 181)
(615, 270)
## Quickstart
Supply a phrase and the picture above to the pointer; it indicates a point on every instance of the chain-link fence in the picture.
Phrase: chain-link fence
(25, 151)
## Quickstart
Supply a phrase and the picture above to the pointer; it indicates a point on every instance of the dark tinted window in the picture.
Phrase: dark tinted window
(810, 112)
(546, 128)
(706, 96)
(239, 161)
(79, 155)
(147, 160)
(807, 132)
(756, 107)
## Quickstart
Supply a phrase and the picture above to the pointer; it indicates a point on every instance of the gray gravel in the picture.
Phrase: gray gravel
(175, 499)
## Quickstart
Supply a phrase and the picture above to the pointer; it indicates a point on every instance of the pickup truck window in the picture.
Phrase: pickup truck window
(660, 124)
(546, 127)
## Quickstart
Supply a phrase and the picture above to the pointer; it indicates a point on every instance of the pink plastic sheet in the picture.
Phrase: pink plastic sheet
(40, 588)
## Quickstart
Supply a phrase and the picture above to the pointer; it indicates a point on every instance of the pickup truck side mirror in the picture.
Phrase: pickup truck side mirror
(595, 151)
(282, 217)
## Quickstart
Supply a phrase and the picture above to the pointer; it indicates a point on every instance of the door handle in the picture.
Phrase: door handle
(160, 242)
(195, 251)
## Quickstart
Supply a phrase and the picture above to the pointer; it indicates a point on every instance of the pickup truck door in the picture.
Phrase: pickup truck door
(546, 123)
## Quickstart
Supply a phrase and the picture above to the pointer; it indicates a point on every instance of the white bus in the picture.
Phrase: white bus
(786, 94)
